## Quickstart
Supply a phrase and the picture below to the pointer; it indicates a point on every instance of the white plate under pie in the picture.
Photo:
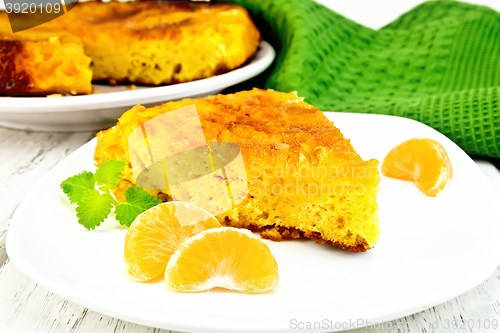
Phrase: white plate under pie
(101, 109)
(431, 250)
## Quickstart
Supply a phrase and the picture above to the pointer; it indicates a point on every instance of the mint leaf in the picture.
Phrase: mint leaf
(76, 186)
(109, 173)
(138, 201)
(93, 208)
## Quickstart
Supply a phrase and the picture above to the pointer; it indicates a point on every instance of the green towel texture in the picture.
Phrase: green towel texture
(438, 64)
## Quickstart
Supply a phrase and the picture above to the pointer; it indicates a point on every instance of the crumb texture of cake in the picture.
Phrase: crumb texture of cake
(43, 63)
(304, 178)
(147, 42)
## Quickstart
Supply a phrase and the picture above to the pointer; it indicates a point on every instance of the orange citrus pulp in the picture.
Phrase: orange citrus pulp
(421, 160)
(158, 232)
(225, 257)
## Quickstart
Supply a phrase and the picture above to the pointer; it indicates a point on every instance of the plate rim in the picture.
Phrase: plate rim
(263, 58)
(464, 285)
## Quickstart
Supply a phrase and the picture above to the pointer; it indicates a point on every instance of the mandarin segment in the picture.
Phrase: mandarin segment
(158, 232)
(225, 257)
(421, 160)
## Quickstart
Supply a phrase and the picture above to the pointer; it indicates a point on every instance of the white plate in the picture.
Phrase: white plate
(431, 250)
(101, 110)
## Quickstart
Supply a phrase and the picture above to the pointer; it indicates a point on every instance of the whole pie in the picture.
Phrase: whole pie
(150, 43)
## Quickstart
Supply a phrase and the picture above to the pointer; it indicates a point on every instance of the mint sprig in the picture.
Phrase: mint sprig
(95, 204)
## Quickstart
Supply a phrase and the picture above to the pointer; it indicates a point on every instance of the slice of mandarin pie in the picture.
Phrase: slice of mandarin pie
(304, 178)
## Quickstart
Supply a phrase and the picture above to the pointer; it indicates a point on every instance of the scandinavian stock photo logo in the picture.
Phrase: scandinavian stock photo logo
(169, 153)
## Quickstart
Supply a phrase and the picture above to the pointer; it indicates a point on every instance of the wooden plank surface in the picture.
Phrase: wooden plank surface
(27, 307)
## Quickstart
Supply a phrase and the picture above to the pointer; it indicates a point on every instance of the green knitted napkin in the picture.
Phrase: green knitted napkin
(438, 64)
